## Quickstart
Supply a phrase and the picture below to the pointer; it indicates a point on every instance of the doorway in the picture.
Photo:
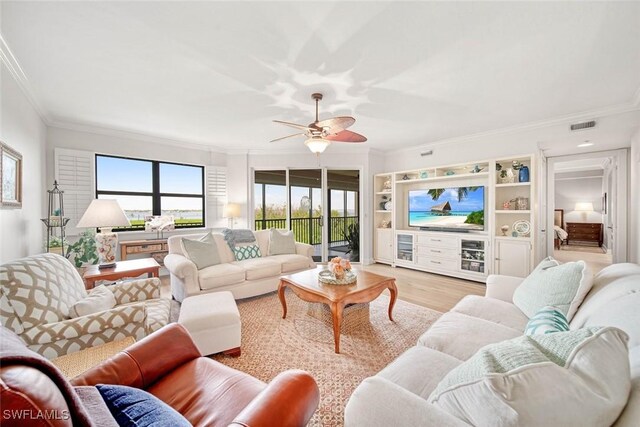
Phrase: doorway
(321, 206)
(587, 208)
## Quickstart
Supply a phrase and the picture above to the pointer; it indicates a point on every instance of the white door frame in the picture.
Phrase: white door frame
(621, 171)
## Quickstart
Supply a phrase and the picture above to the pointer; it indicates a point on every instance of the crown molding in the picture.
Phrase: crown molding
(9, 60)
(139, 136)
(565, 119)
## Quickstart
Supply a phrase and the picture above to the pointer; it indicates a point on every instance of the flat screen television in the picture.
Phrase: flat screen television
(452, 208)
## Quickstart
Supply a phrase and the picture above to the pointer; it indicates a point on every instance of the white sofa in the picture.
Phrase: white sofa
(246, 278)
(397, 395)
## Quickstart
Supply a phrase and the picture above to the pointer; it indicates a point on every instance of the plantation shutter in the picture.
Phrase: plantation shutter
(216, 195)
(73, 169)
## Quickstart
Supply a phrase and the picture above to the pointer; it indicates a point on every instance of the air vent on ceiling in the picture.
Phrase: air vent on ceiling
(583, 125)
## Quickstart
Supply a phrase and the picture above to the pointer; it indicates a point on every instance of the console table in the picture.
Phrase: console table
(122, 269)
(158, 248)
(585, 232)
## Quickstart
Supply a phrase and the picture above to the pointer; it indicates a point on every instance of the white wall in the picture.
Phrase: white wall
(572, 189)
(21, 232)
(634, 190)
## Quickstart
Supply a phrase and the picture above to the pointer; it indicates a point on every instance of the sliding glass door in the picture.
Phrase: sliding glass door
(320, 206)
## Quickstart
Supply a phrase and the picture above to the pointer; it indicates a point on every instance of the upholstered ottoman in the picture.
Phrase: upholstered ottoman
(213, 321)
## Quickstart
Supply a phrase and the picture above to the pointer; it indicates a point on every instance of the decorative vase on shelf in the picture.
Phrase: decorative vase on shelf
(524, 174)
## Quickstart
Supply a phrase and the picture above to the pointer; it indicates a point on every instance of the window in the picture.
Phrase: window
(147, 187)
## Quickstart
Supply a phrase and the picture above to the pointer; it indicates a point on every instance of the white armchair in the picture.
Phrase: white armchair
(37, 292)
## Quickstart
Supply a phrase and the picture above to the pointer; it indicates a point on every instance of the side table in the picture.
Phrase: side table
(122, 269)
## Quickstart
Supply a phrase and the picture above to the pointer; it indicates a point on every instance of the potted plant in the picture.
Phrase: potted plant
(55, 245)
(84, 250)
(352, 236)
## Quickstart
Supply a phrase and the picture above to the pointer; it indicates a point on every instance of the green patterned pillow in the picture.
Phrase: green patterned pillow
(561, 285)
(565, 378)
(547, 321)
(247, 252)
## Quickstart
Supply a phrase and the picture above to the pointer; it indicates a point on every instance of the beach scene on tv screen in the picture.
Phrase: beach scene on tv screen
(460, 207)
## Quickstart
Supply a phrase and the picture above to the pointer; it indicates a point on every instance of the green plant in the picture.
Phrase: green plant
(352, 236)
(84, 250)
(56, 242)
(516, 165)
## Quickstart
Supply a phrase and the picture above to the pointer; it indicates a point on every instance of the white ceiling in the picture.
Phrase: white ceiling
(217, 73)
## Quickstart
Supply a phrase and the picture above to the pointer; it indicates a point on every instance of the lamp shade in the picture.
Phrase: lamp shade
(317, 145)
(584, 207)
(231, 210)
(103, 213)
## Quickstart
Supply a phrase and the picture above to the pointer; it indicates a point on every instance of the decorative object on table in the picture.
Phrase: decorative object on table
(522, 228)
(339, 272)
(517, 166)
(584, 208)
(388, 205)
(523, 174)
(84, 250)
(504, 229)
(231, 211)
(424, 174)
(476, 169)
(385, 224)
(384, 201)
(498, 167)
(105, 214)
(405, 177)
(56, 221)
(506, 205)
(159, 224)
(10, 177)
(449, 173)
(386, 186)
(522, 203)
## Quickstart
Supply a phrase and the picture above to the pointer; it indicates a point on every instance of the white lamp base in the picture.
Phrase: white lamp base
(106, 245)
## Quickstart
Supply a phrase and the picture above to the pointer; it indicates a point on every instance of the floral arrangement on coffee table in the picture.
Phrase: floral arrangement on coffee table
(339, 267)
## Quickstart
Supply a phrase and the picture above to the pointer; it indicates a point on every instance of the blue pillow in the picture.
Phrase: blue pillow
(132, 407)
(547, 320)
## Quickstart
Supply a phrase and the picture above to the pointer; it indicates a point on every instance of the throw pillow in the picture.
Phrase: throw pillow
(99, 299)
(281, 242)
(202, 252)
(133, 407)
(547, 321)
(577, 378)
(246, 252)
(561, 285)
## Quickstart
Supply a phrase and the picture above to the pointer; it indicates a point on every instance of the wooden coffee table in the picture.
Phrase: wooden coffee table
(307, 287)
(122, 269)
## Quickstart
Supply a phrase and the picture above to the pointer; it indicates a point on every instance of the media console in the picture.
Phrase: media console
(506, 246)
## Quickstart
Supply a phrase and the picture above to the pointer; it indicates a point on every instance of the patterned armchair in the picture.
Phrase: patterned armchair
(36, 293)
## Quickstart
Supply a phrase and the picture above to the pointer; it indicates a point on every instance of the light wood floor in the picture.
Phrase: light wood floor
(433, 291)
(595, 261)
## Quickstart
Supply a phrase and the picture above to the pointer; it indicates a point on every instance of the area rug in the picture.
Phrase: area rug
(271, 345)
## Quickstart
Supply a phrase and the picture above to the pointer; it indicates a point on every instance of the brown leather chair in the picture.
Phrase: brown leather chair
(168, 365)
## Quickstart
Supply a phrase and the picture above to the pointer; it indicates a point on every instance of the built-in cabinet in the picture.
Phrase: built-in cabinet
(506, 246)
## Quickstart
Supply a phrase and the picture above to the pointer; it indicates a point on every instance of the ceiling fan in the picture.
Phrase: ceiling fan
(321, 133)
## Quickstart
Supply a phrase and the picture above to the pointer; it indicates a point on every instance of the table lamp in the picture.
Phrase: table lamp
(105, 214)
(584, 207)
(231, 211)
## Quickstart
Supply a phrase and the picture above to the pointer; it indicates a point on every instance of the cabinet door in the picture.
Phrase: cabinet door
(513, 258)
(384, 245)
(404, 247)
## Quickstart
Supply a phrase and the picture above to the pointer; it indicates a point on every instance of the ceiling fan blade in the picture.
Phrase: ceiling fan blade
(293, 125)
(346, 136)
(288, 136)
(336, 124)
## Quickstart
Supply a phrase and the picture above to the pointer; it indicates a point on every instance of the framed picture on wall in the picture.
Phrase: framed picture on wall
(10, 177)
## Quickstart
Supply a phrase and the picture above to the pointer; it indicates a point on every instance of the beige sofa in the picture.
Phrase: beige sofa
(397, 395)
(246, 278)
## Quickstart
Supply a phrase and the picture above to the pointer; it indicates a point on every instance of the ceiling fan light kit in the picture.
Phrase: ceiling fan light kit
(320, 134)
